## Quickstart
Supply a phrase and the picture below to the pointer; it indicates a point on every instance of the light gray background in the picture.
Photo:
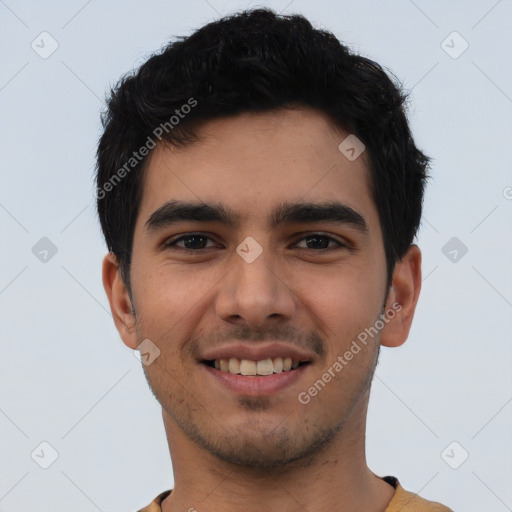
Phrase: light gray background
(66, 377)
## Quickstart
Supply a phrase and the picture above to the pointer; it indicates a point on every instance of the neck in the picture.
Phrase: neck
(336, 478)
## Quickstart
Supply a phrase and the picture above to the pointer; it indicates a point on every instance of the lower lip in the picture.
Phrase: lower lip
(256, 385)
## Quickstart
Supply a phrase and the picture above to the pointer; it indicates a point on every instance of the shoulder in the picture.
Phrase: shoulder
(155, 505)
(405, 501)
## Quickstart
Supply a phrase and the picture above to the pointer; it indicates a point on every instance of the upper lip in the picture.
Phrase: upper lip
(257, 351)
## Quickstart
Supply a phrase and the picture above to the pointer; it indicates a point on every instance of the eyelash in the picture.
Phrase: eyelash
(172, 243)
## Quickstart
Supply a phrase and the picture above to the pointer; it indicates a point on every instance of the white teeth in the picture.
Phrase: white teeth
(262, 367)
(234, 365)
(247, 367)
(265, 367)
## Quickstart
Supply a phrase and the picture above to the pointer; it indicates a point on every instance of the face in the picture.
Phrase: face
(256, 279)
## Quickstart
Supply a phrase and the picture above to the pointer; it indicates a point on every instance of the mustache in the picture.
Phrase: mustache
(288, 334)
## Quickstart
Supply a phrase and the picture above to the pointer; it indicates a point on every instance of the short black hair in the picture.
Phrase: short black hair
(255, 61)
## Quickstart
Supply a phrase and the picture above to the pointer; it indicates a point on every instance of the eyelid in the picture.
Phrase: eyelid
(171, 242)
(308, 234)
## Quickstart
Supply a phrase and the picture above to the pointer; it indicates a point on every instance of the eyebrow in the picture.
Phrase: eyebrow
(333, 212)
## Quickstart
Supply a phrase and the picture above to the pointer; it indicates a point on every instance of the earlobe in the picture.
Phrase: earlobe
(402, 298)
(119, 300)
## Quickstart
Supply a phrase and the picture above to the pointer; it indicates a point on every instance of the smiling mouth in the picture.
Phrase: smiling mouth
(260, 368)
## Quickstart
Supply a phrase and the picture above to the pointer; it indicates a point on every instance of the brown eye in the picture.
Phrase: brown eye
(191, 242)
(318, 241)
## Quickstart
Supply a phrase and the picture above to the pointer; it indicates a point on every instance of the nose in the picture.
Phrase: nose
(255, 293)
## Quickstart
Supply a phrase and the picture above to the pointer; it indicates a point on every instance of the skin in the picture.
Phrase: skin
(263, 453)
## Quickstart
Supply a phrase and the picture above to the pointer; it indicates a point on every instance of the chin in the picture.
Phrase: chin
(259, 447)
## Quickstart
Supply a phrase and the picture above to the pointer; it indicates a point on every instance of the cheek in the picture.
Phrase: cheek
(172, 290)
(344, 304)
(168, 303)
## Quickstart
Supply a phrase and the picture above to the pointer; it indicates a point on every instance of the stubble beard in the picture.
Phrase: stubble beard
(254, 449)
(254, 446)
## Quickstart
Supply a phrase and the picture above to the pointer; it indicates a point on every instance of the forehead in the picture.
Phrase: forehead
(254, 161)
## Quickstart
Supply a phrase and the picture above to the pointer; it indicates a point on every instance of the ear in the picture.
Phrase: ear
(119, 299)
(402, 298)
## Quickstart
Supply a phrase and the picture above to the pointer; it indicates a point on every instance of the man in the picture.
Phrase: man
(259, 191)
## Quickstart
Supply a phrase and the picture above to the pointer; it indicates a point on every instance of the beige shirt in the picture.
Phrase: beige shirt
(403, 501)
